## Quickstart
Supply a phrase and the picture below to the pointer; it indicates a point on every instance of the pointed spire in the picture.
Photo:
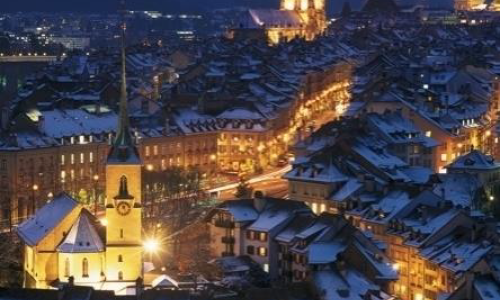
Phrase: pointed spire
(123, 148)
(124, 122)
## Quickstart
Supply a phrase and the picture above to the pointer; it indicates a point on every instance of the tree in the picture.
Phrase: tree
(346, 9)
(243, 190)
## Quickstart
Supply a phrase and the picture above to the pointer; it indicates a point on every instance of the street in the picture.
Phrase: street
(270, 183)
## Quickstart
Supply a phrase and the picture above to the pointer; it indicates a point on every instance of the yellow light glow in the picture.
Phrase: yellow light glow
(151, 245)
(149, 167)
(104, 222)
(418, 297)
(395, 267)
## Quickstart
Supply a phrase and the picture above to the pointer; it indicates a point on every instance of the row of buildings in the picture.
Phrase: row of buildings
(225, 107)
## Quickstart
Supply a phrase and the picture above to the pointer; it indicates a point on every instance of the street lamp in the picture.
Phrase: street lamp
(151, 246)
(96, 179)
(35, 188)
(149, 186)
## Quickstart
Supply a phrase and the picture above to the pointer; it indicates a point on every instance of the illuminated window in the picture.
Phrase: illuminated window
(72, 174)
(82, 158)
(262, 251)
(444, 157)
(155, 150)
(72, 159)
(63, 175)
(428, 133)
(62, 160)
(91, 157)
(120, 258)
(120, 275)
(146, 150)
(66, 267)
(266, 268)
(314, 207)
(322, 208)
(85, 268)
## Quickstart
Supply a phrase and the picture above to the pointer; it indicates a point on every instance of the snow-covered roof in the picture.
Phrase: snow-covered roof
(474, 160)
(487, 288)
(324, 253)
(242, 211)
(349, 188)
(271, 218)
(38, 226)
(83, 236)
(72, 122)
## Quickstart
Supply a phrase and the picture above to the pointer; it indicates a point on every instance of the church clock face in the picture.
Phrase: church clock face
(123, 208)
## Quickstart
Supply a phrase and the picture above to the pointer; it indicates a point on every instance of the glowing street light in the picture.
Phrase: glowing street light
(151, 245)
(104, 222)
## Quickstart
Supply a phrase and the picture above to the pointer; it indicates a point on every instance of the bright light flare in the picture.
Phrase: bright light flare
(151, 245)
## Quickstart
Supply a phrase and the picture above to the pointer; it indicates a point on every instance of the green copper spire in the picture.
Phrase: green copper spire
(123, 148)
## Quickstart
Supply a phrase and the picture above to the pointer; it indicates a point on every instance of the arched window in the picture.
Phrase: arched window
(85, 268)
(66, 267)
(120, 258)
(123, 191)
(120, 275)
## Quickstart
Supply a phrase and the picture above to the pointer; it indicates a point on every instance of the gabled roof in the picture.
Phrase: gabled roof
(83, 236)
(474, 160)
(37, 227)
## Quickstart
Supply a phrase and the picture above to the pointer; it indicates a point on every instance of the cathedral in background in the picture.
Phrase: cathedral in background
(304, 19)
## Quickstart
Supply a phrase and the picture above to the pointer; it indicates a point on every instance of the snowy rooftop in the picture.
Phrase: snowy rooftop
(474, 160)
(73, 122)
(83, 236)
(33, 230)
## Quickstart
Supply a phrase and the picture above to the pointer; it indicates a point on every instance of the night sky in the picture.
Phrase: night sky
(111, 5)
(171, 6)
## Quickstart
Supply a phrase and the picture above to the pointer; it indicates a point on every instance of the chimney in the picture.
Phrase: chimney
(71, 281)
(139, 287)
(443, 193)
(474, 233)
(41, 123)
(424, 214)
(369, 183)
(166, 129)
(98, 108)
(4, 118)
(259, 201)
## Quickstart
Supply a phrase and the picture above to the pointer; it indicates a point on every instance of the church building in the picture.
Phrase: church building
(64, 240)
(304, 19)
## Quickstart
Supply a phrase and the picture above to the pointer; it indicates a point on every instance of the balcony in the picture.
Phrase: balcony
(224, 224)
(227, 240)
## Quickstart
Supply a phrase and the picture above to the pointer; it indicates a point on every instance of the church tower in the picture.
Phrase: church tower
(313, 14)
(123, 197)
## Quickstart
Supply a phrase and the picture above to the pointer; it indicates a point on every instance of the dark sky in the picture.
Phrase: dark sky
(111, 5)
(171, 6)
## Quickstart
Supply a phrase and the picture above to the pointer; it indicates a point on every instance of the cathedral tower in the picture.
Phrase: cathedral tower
(123, 197)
